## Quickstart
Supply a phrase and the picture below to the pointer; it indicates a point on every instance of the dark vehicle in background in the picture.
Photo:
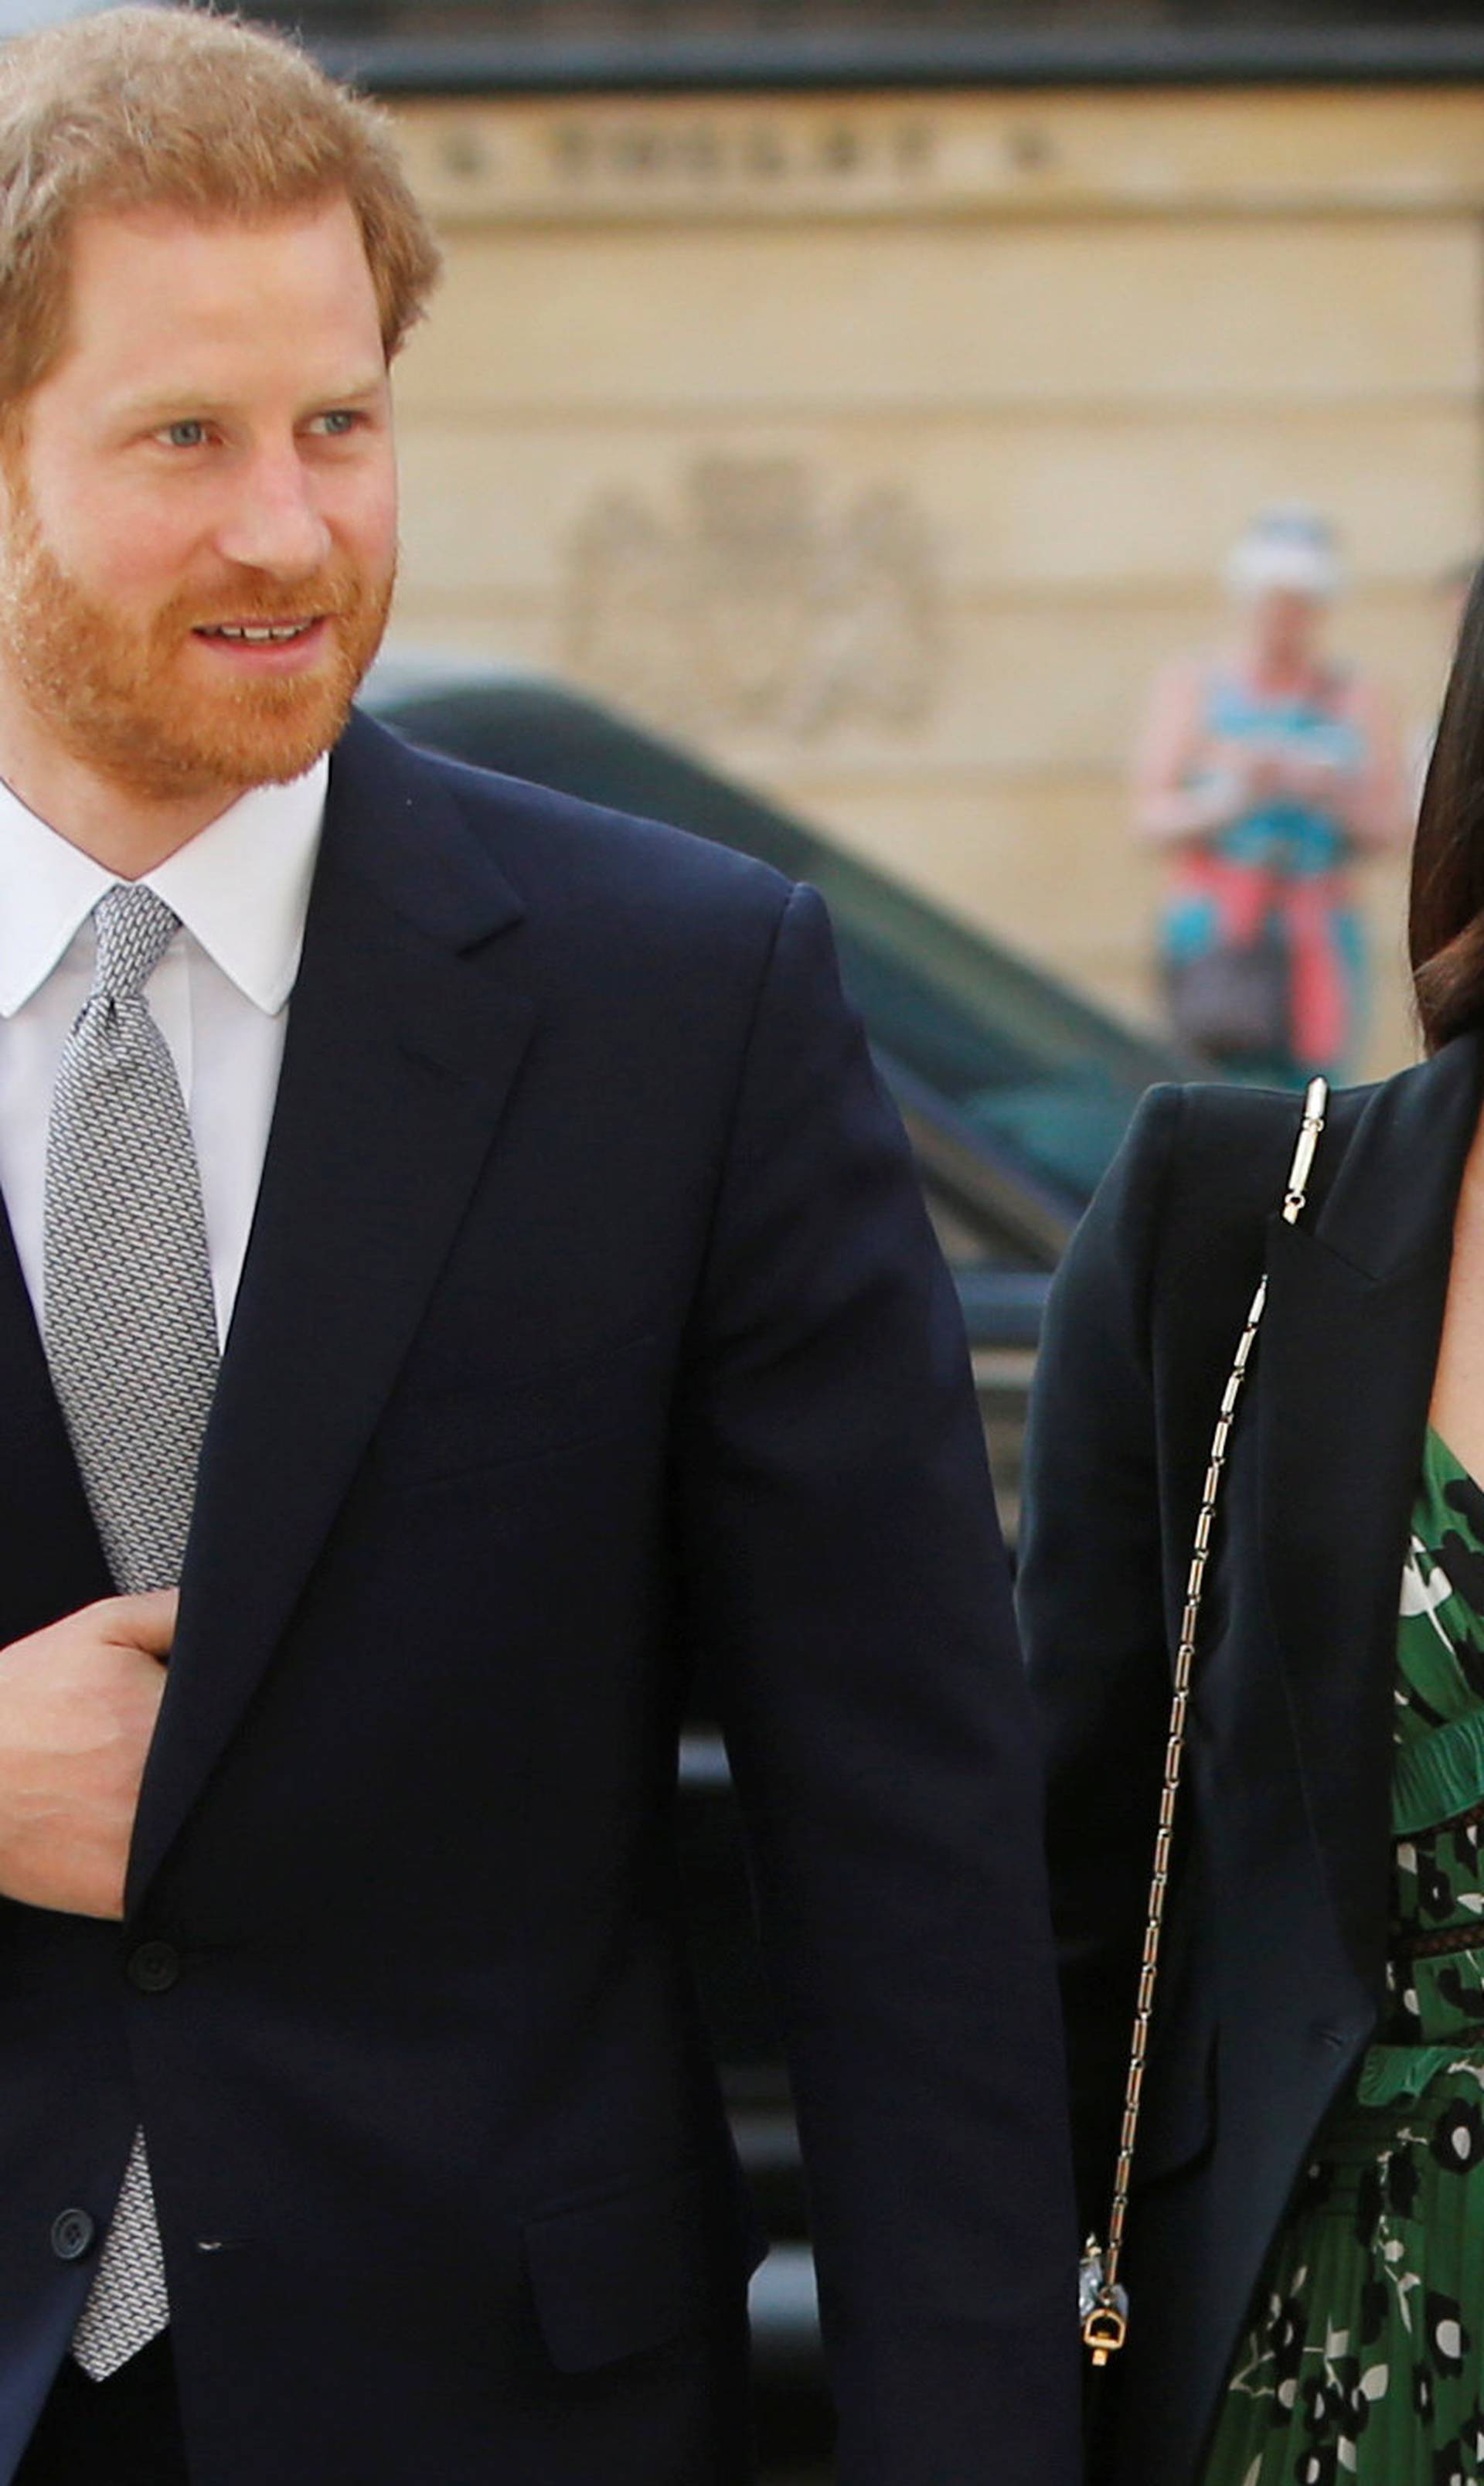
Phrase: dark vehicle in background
(1015, 1093)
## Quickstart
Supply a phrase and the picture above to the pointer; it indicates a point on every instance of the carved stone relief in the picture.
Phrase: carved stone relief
(752, 606)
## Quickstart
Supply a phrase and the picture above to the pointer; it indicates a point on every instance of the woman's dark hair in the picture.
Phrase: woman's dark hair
(1446, 912)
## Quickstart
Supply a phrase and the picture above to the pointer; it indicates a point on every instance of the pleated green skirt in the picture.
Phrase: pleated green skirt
(1363, 2360)
(1366, 2361)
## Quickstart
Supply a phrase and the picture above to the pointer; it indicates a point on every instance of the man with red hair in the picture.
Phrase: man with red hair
(457, 1270)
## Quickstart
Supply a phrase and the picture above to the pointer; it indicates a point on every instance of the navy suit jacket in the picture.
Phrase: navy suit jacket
(591, 1325)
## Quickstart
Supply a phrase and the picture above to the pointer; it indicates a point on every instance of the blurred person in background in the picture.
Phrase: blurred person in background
(1265, 770)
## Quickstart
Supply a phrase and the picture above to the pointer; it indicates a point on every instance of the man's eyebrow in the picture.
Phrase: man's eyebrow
(184, 404)
(352, 396)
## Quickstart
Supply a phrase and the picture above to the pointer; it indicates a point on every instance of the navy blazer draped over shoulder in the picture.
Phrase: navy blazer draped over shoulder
(590, 1324)
(1272, 1970)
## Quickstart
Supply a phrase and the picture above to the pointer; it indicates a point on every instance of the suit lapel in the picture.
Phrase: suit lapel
(407, 1028)
(50, 1557)
(1348, 1353)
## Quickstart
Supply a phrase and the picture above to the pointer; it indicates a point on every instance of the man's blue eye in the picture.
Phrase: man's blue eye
(188, 434)
(339, 423)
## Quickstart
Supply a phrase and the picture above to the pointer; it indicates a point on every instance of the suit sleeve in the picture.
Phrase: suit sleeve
(846, 1582)
(1090, 1603)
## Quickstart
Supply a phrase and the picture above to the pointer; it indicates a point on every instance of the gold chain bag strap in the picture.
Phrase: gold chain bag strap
(1102, 2304)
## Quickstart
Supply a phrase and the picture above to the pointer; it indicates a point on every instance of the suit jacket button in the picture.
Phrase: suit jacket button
(154, 1967)
(72, 2235)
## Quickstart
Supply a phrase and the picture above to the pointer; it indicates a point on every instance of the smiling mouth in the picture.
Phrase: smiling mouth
(259, 634)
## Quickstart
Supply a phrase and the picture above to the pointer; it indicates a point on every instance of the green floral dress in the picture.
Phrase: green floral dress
(1364, 2364)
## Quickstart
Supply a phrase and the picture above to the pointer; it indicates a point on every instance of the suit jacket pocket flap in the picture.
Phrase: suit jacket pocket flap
(613, 2276)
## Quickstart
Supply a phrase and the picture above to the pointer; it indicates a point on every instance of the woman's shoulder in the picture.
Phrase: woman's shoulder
(1202, 1170)
(1224, 1141)
(1226, 1128)
(1228, 1136)
(1162, 1266)
(1167, 1257)
(1229, 1116)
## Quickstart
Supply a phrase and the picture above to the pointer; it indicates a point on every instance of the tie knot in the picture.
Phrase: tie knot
(134, 929)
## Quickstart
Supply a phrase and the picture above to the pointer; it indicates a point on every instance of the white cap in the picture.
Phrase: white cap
(1292, 549)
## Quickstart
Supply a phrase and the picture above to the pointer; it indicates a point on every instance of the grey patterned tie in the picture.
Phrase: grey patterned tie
(131, 1341)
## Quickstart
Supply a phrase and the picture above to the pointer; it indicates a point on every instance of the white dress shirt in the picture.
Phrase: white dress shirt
(219, 996)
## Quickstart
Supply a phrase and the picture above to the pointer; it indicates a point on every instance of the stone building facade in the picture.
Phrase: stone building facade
(883, 443)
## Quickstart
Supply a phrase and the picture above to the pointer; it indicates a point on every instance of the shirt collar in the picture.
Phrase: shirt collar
(240, 886)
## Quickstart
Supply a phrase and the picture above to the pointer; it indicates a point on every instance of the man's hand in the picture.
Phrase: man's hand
(78, 1703)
